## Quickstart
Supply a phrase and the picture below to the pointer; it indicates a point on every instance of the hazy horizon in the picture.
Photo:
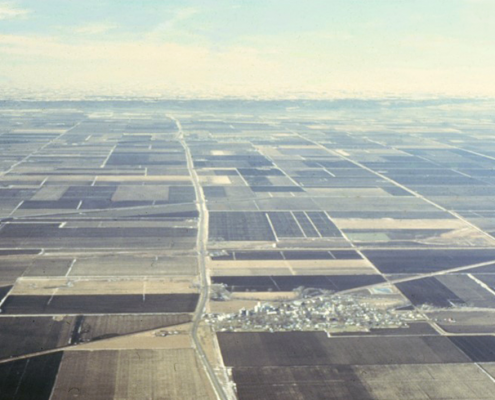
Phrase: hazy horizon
(271, 49)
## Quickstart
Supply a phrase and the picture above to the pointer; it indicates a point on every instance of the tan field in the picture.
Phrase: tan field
(438, 381)
(75, 286)
(214, 180)
(173, 337)
(388, 223)
(290, 267)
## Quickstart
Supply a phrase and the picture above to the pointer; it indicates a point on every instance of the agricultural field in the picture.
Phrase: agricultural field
(247, 249)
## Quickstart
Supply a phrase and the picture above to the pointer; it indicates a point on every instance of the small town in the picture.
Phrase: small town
(328, 312)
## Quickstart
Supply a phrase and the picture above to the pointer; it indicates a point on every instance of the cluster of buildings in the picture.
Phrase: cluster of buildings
(323, 313)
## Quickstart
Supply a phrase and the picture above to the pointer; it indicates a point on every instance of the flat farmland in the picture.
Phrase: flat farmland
(25, 335)
(424, 261)
(290, 262)
(299, 383)
(95, 286)
(383, 211)
(305, 254)
(4, 290)
(100, 304)
(96, 264)
(458, 321)
(132, 374)
(50, 235)
(430, 381)
(135, 265)
(92, 328)
(384, 382)
(429, 291)
(448, 291)
(285, 225)
(30, 378)
(237, 226)
(315, 348)
(478, 348)
(281, 283)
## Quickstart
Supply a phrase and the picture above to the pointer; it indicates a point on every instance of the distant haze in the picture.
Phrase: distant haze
(268, 48)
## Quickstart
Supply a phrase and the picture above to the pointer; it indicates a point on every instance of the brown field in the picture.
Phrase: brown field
(465, 321)
(177, 337)
(387, 382)
(99, 327)
(131, 375)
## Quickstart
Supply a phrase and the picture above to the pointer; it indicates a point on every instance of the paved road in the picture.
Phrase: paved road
(202, 240)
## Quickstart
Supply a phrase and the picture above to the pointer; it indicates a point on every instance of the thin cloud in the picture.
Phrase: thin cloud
(175, 23)
(10, 11)
(146, 66)
(95, 28)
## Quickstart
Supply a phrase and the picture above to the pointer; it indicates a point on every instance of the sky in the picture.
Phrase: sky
(245, 48)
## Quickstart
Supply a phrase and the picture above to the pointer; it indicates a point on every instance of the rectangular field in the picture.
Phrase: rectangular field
(240, 226)
(280, 283)
(100, 304)
(424, 261)
(315, 348)
(384, 382)
(132, 374)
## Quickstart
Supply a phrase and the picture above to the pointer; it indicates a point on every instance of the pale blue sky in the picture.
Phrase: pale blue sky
(250, 47)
